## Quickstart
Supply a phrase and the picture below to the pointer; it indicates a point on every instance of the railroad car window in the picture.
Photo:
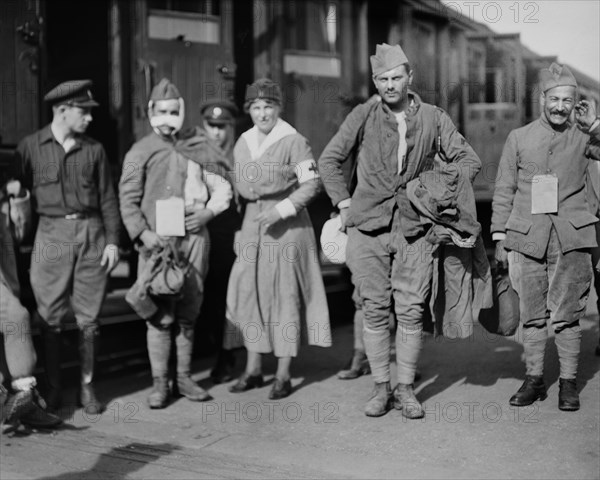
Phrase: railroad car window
(206, 7)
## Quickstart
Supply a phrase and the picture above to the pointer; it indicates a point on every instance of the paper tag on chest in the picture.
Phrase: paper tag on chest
(170, 217)
(544, 194)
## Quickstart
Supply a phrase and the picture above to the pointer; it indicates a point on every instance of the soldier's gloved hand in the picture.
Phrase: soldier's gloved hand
(151, 240)
(268, 217)
(501, 255)
(196, 217)
(110, 257)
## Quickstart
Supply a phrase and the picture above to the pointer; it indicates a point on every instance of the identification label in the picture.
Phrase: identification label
(544, 194)
(170, 217)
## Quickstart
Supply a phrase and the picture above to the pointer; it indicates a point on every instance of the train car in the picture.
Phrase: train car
(317, 49)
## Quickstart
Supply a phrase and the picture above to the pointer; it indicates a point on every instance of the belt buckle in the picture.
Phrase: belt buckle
(72, 216)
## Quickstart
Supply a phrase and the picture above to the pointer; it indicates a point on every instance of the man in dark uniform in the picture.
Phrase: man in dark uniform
(75, 246)
(219, 122)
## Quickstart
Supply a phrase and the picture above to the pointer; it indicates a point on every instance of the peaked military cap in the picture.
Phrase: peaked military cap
(387, 57)
(556, 76)
(219, 112)
(76, 93)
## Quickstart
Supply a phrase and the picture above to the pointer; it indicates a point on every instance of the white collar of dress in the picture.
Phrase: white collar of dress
(280, 130)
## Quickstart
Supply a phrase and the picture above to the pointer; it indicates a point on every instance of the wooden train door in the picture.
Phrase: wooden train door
(191, 43)
(20, 37)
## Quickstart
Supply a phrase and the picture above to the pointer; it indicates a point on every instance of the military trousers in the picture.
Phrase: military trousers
(391, 274)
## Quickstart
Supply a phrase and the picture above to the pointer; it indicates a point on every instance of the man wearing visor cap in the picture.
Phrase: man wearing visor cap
(75, 246)
(218, 121)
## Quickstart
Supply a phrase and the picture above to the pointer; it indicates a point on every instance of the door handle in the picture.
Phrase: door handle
(227, 71)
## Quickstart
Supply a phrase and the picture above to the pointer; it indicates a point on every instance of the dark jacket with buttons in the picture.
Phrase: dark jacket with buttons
(538, 149)
(379, 186)
(78, 181)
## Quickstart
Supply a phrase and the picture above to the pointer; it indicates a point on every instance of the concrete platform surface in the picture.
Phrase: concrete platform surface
(320, 431)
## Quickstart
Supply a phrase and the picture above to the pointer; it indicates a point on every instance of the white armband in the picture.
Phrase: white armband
(498, 236)
(286, 208)
(306, 170)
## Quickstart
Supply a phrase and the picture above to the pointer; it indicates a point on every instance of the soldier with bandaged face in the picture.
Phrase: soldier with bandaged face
(182, 174)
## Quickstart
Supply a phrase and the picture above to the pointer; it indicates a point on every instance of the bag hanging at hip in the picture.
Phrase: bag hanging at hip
(169, 273)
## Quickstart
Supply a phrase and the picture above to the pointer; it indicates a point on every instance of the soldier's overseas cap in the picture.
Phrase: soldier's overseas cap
(164, 90)
(556, 76)
(219, 112)
(75, 93)
(387, 57)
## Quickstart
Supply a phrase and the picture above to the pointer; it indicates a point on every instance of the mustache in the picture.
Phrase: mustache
(562, 113)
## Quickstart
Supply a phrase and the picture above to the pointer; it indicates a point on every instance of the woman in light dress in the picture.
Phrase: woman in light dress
(276, 297)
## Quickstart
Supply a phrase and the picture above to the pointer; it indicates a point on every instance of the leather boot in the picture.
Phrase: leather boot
(358, 366)
(406, 400)
(52, 352)
(38, 416)
(159, 350)
(379, 403)
(16, 404)
(3, 399)
(533, 388)
(88, 349)
(184, 342)
(159, 397)
(223, 370)
(568, 398)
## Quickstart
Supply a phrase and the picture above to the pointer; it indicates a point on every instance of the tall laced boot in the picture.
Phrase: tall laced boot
(52, 341)
(533, 388)
(358, 366)
(406, 400)
(568, 344)
(159, 350)
(223, 369)
(379, 403)
(88, 350)
(184, 341)
(3, 399)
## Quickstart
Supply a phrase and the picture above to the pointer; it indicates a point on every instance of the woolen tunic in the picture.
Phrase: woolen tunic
(276, 296)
